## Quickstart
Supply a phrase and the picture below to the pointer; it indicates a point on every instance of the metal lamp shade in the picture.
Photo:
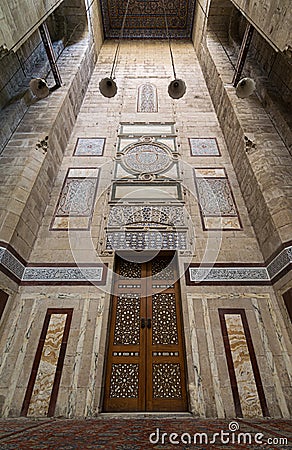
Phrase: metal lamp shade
(177, 88)
(245, 87)
(108, 87)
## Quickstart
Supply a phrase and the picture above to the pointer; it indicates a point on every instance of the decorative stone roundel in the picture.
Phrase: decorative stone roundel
(147, 158)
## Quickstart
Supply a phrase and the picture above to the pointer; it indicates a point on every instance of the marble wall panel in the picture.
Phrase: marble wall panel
(42, 390)
(217, 205)
(89, 147)
(248, 395)
(204, 147)
(147, 98)
(76, 201)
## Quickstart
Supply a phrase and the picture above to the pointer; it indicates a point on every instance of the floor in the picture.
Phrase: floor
(122, 432)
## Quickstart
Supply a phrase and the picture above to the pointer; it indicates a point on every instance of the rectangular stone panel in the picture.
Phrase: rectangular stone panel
(246, 385)
(76, 201)
(204, 147)
(43, 385)
(65, 223)
(221, 223)
(217, 172)
(149, 128)
(217, 204)
(89, 147)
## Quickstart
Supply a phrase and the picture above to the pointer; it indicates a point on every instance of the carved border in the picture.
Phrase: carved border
(13, 265)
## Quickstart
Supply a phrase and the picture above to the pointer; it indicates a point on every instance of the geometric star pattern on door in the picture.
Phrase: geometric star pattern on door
(145, 364)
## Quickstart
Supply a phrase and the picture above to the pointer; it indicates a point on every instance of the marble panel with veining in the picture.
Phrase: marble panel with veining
(247, 389)
(44, 382)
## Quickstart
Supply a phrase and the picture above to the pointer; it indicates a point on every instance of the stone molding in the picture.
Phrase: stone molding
(242, 273)
(16, 269)
(59, 273)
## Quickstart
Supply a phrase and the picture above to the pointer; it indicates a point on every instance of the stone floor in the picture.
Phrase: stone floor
(133, 433)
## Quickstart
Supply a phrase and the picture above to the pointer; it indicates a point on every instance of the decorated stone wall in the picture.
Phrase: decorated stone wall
(167, 170)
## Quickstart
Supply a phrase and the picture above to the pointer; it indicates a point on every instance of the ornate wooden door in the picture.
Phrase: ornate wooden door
(145, 367)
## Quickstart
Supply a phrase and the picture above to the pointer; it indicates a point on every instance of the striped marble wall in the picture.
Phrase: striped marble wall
(247, 390)
(43, 385)
(238, 363)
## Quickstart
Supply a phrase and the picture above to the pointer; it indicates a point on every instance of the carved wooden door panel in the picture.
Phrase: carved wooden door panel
(145, 367)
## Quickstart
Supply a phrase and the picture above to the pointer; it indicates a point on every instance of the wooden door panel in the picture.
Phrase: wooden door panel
(145, 370)
(125, 371)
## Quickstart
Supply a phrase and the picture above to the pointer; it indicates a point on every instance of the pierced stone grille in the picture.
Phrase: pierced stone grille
(164, 330)
(124, 381)
(150, 240)
(166, 381)
(127, 327)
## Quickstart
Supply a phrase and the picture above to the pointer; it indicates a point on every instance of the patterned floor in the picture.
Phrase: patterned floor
(142, 432)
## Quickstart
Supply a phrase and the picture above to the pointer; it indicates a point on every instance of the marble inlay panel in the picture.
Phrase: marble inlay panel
(63, 274)
(41, 395)
(227, 274)
(215, 197)
(147, 99)
(80, 172)
(246, 384)
(147, 157)
(217, 205)
(146, 240)
(281, 261)
(63, 223)
(76, 199)
(11, 262)
(210, 173)
(204, 147)
(89, 147)
(211, 223)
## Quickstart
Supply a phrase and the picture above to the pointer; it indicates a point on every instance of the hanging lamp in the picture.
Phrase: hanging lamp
(108, 86)
(177, 87)
(245, 87)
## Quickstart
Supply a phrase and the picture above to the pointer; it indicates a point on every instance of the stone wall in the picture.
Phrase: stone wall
(261, 160)
(194, 116)
(272, 20)
(19, 20)
(31, 158)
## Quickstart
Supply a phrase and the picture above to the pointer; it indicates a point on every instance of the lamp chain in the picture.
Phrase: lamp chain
(168, 38)
(112, 75)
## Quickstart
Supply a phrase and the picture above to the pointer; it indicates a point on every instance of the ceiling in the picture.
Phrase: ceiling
(145, 18)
